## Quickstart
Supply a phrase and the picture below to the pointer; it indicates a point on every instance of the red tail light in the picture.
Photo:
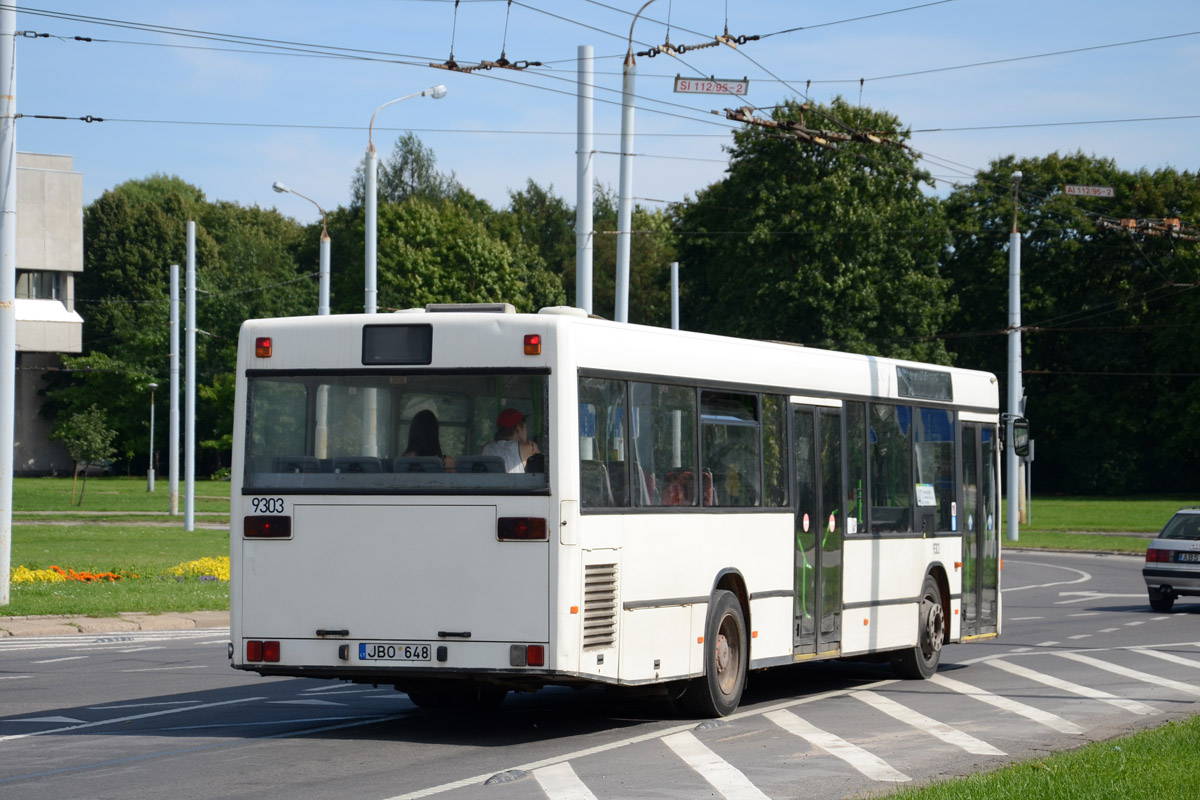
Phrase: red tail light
(521, 529)
(533, 344)
(271, 651)
(262, 347)
(535, 655)
(254, 651)
(1155, 554)
(267, 527)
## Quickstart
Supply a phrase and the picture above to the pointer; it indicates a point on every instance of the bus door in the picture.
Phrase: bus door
(981, 546)
(817, 444)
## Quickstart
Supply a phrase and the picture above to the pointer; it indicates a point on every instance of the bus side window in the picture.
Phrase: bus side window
(603, 468)
(891, 468)
(731, 447)
(663, 436)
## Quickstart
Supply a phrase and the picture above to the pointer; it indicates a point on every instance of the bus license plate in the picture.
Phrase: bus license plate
(393, 651)
(1195, 557)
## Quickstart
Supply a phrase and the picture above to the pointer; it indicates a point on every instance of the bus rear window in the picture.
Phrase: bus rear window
(379, 434)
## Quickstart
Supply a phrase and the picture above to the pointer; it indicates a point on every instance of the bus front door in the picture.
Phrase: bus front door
(981, 557)
(817, 445)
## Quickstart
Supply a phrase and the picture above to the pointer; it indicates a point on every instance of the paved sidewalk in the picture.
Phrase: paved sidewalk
(126, 621)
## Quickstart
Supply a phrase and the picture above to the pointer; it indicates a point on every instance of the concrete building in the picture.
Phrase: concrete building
(49, 255)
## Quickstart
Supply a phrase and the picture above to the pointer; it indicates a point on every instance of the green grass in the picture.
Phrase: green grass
(142, 550)
(1058, 540)
(111, 493)
(1159, 763)
(1133, 514)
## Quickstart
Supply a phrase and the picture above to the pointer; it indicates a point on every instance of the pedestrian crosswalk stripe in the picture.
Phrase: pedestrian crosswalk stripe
(1174, 659)
(867, 763)
(947, 734)
(721, 775)
(560, 782)
(1074, 688)
(1145, 677)
(1029, 712)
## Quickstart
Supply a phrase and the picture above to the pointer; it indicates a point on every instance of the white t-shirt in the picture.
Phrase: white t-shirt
(507, 449)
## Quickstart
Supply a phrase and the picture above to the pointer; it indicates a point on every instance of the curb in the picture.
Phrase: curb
(67, 625)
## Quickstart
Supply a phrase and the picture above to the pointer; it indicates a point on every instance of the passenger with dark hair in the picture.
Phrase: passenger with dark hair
(424, 441)
(512, 441)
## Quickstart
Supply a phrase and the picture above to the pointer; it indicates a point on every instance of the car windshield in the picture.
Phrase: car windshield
(1182, 526)
(393, 433)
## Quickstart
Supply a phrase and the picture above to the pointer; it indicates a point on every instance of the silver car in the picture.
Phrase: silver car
(1172, 564)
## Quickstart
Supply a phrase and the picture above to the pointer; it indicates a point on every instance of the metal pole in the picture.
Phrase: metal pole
(625, 190)
(189, 411)
(584, 159)
(674, 295)
(150, 467)
(323, 292)
(8, 284)
(173, 436)
(1011, 477)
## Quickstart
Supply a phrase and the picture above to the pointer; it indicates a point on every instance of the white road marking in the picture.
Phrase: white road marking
(1174, 659)
(1085, 614)
(343, 690)
(14, 677)
(114, 720)
(947, 734)
(727, 779)
(1083, 597)
(1046, 644)
(140, 649)
(1109, 630)
(1020, 649)
(1029, 712)
(1133, 624)
(474, 780)
(1021, 619)
(313, 702)
(1074, 688)
(1145, 677)
(279, 721)
(1158, 619)
(57, 660)
(560, 782)
(867, 763)
(1080, 636)
(163, 669)
(44, 720)
(145, 705)
(1084, 577)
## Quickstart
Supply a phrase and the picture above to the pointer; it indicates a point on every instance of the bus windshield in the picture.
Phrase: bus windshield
(376, 433)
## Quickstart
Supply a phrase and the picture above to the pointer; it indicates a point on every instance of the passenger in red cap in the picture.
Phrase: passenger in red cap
(512, 441)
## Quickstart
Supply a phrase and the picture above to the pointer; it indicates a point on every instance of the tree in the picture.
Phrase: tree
(88, 440)
(410, 171)
(1110, 354)
(651, 251)
(835, 248)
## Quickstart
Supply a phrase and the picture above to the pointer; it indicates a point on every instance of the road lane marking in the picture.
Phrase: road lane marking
(163, 669)
(1080, 636)
(309, 702)
(865, 762)
(1109, 630)
(1174, 659)
(720, 774)
(57, 660)
(1021, 619)
(140, 649)
(1132, 624)
(14, 677)
(145, 705)
(114, 720)
(277, 721)
(1074, 688)
(1029, 712)
(1085, 614)
(1047, 644)
(560, 782)
(1145, 677)
(474, 780)
(1085, 577)
(46, 720)
(947, 734)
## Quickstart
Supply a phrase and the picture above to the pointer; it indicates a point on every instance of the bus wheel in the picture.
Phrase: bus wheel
(921, 662)
(726, 655)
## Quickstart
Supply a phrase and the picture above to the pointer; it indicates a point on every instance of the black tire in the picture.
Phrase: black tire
(726, 659)
(921, 662)
(1160, 600)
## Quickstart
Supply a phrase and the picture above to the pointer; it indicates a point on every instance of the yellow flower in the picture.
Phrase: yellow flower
(25, 575)
(203, 567)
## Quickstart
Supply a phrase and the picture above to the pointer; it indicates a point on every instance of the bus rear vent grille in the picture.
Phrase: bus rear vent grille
(599, 605)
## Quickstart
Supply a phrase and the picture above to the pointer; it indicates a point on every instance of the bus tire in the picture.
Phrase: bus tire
(921, 662)
(726, 658)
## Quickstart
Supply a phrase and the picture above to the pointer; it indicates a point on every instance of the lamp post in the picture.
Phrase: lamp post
(625, 187)
(150, 469)
(371, 194)
(1012, 465)
(323, 294)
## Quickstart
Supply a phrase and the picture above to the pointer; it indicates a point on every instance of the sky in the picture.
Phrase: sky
(233, 96)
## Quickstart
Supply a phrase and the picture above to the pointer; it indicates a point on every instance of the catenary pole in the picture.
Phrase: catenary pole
(674, 295)
(8, 285)
(584, 159)
(173, 441)
(625, 187)
(1012, 481)
(189, 409)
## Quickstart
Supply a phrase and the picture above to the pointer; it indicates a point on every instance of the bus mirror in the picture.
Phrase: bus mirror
(1020, 436)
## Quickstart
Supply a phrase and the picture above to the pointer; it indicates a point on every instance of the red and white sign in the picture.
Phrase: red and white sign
(711, 86)
(1090, 191)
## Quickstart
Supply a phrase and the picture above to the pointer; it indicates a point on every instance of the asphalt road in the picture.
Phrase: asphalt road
(149, 715)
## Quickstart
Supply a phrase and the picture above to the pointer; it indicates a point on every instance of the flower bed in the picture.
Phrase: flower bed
(210, 569)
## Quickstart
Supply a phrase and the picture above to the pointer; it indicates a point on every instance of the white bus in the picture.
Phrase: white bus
(681, 508)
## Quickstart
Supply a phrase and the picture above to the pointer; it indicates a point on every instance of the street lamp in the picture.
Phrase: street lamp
(1012, 466)
(372, 191)
(150, 469)
(323, 294)
(625, 187)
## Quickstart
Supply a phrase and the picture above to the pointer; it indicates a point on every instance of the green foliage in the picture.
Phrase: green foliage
(652, 249)
(410, 171)
(838, 249)
(1110, 354)
(86, 436)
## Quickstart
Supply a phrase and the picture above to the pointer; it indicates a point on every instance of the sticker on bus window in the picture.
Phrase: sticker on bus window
(805, 523)
(925, 495)
(954, 517)
(832, 523)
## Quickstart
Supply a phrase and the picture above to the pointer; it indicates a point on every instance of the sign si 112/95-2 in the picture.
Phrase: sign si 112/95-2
(711, 86)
